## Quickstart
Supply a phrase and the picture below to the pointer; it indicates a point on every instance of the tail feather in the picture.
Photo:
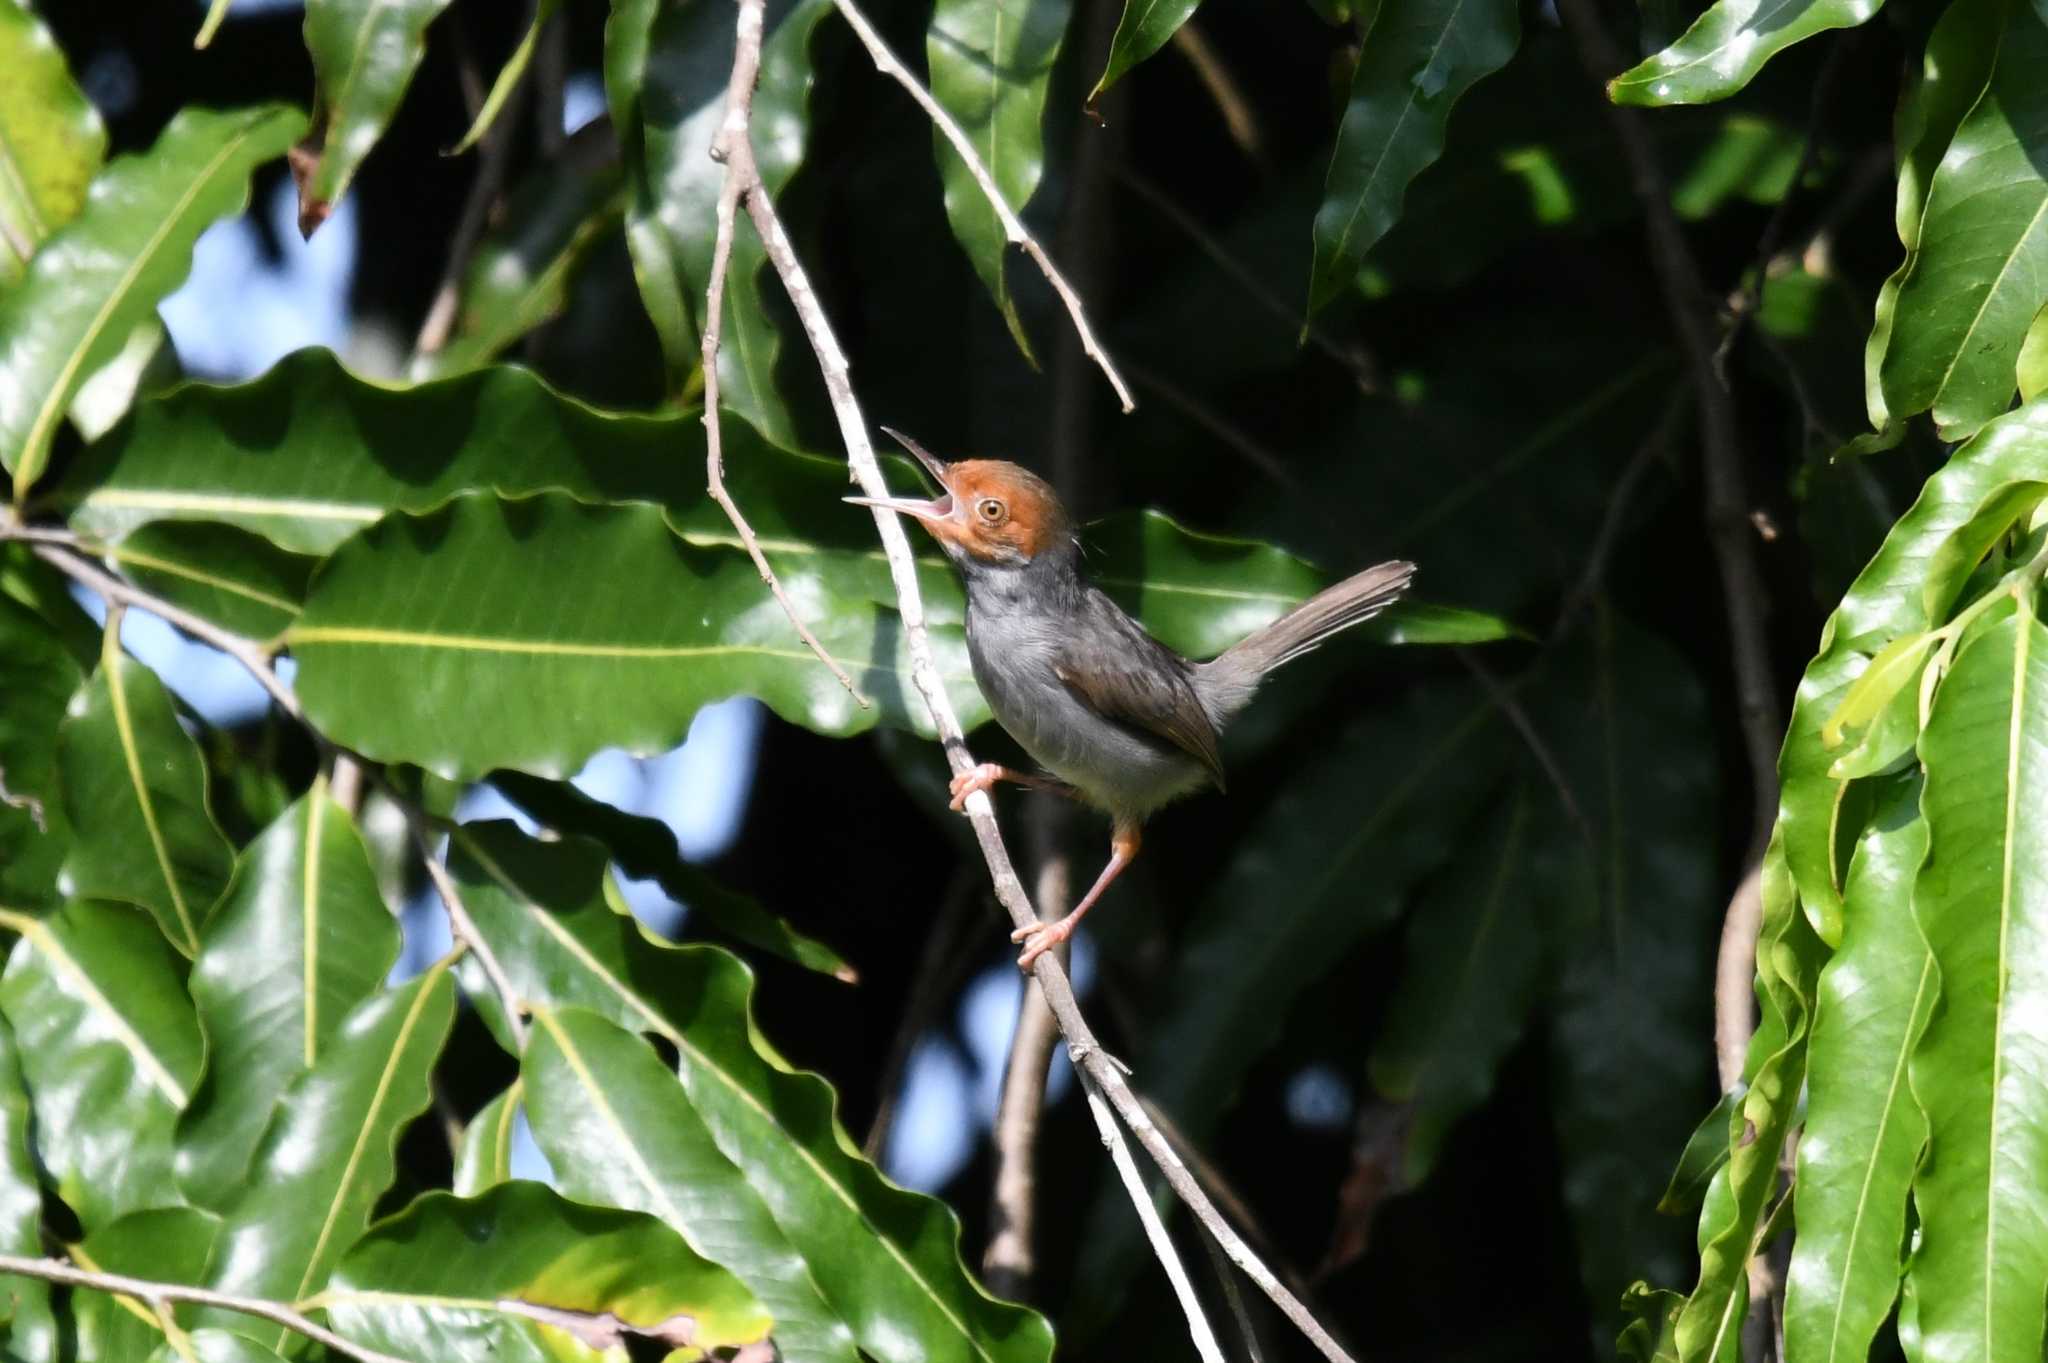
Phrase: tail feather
(1335, 609)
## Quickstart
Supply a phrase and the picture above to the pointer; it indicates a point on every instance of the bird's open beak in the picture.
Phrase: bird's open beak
(938, 509)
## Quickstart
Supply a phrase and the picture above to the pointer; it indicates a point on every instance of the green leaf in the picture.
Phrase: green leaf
(1466, 987)
(167, 1244)
(135, 795)
(1706, 1151)
(646, 850)
(886, 1259)
(508, 77)
(519, 1275)
(990, 64)
(2032, 368)
(27, 1327)
(1651, 1335)
(38, 677)
(1983, 1248)
(214, 1346)
(521, 273)
(1728, 45)
(104, 273)
(364, 53)
(110, 1048)
(613, 1117)
(543, 604)
(1895, 668)
(1958, 555)
(51, 139)
(301, 937)
(485, 1159)
(1980, 270)
(1423, 57)
(45, 593)
(1145, 27)
(239, 580)
(329, 1152)
(666, 72)
(1864, 1130)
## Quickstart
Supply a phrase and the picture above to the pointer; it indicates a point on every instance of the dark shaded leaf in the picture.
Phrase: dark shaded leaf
(38, 677)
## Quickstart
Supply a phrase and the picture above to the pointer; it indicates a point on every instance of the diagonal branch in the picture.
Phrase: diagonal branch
(1014, 230)
(157, 1295)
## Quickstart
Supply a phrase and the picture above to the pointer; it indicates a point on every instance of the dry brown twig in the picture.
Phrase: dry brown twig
(1083, 1048)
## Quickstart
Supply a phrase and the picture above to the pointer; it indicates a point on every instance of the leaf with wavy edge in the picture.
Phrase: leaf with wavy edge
(329, 1152)
(485, 1157)
(1728, 45)
(364, 53)
(241, 582)
(542, 909)
(612, 1118)
(110, 1048)
(51, 139)
(1864, 1129)
(135, 792)
(516, 1275)
(164, 1244)
(38, 676)
(1145, 27)
(1982, 901)
(105, 271)
(301, 938)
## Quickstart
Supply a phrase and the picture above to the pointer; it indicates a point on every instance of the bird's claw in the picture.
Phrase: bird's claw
(983, 777)
(1040, 938)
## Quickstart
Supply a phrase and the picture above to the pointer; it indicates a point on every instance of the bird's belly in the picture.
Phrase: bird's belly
(1117, 768)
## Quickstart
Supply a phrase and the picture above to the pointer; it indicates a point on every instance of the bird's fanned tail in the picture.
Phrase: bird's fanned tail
(1356, 599)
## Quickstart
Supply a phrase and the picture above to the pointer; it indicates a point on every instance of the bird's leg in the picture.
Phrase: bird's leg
(985, 776)
(1040, 938)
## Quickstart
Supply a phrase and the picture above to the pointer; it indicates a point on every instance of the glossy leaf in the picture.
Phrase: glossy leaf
(505, 1277)
(238, 580)
(1864, 1129)
(104, 273)
(110, 1048)
(28, 1329)
(1728, 45)
(364, 53)
(167, 1244)
(135, 795)
(614, 1119)
(1651, 1334)
(38, 677)
(2032, 367)
(1145, 27)
(1423, 57)
(51, 139)
(214, 1346)
(1982, 901)
(539, 607)
(485, 1157)
(990, 63)
(645, 849)
(666, 72)
(1979, 272)
(328, 1154)
(302, 937)
(886, 1259)
(1706, 1151)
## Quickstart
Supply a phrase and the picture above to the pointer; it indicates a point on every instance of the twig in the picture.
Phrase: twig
(939, 969)
(550, 77)
(1014, 230)
(1509, 704)
(1232, 436)
(1654, 448)
(156, 1294)
(464, 927)
(735, 150)
(1247, 1329)
(1239, 118)
(1155, 1229)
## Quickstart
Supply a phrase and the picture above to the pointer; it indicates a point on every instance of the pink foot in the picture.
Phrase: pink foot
(1040, 938)
(983, 777)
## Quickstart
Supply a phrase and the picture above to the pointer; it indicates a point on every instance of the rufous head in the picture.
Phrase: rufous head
(989, 511)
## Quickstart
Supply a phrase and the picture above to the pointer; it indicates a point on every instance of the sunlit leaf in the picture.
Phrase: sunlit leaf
(1728, 45)
(29, 1329)
(485, 1159)
(364, 53)
(51, 139)
(1145, 27)
(508, 77)
(214, 1346)
(167, 1244)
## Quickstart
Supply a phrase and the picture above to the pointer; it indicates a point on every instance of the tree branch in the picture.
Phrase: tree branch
(462, 927)
(1011, 1258)
(156, 1294)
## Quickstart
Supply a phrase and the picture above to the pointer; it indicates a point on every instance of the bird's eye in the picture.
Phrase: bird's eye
(991, 510)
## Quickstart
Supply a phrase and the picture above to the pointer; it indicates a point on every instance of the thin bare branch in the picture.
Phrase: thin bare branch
(1247, 1328)
(155, 1295)
(493, 165)
(1014, 230)
(1655, 447)
(1239, 118)
(945, 959)
(1011, 1259)
(734, 148)
(463, 927)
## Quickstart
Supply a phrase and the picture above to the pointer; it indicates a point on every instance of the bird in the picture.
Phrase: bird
(1115, 718)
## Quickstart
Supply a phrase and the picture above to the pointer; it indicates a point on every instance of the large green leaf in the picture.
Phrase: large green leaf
(1728, 45)
(990, 63)
(520, 1275)
(28, 1330)
(1423, 56)
(51, 139)
(165, 1244)
(1982, 900)
(364, 53)
(328, 1154)
(1145, 27)
(233, 577)
(1979, 272)
(666, 72)
(135, 795)
(38, 677)
(613, 1118)
(646, 850)
(554, 629)
(887, 1260)
(110, 1048)
(300, 939)
(103, 274)
(1864, 1130)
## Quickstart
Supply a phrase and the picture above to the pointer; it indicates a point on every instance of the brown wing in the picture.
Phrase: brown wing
(1138, 682)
